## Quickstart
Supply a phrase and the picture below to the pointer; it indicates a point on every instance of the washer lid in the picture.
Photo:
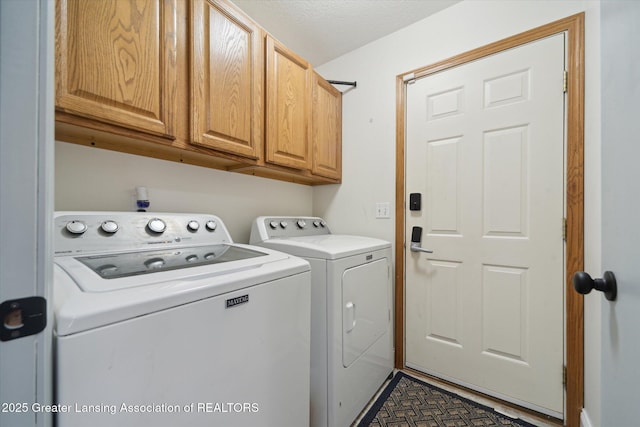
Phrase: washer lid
(114, 271)
(113, 266)
(327, 246)
(114, 300)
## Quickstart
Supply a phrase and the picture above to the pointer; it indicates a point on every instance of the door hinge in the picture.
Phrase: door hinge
(565, 81)
(409, 78)
(564, 229)
(564, 376)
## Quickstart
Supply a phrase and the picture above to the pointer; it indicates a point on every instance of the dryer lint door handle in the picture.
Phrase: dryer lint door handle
(350, 317)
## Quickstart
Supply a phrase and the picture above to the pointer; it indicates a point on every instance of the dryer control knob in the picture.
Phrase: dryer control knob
(76, 227)
(157, 225)
(316, 223)
(301, 223)
(109, 226)
(284, 224)
(211, 225)
(193, 225)
(273, 225)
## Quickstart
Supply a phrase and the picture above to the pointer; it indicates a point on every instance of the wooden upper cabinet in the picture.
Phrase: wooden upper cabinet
(227, 69)
(327, 129)
(288, 97)
(193, 81)
(116, 62)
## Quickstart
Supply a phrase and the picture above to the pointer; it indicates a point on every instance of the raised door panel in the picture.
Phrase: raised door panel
(327, 129)
(227, 65)
(289, 80)
(116, 62)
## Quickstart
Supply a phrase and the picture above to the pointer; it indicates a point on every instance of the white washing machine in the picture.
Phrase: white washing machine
(161, 320)
(351, 304)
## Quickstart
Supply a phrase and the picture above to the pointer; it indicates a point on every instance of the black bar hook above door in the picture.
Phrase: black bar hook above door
(340, 82)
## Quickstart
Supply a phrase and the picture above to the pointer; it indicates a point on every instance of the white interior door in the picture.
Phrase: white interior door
(26, 207)
(485, 148)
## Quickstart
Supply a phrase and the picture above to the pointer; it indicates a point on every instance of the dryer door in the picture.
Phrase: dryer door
(365, 307)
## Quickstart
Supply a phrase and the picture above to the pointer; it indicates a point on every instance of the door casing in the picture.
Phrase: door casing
(574, 166)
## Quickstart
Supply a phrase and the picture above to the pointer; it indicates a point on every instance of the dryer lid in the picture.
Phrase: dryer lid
(328, 246)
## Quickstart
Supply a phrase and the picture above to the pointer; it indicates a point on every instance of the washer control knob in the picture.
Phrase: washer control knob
(323, 224)
(193, 225)
(211, 225)
(76, 227)
(284, 224)
(192, 258)
(273, 225)
(301, 223)
(109, 226)
(157, 225)
(316, 223)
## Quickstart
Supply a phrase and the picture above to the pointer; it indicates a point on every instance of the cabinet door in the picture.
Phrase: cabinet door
(227, 64)
(116, 62)
(289, 80)
(327, 129)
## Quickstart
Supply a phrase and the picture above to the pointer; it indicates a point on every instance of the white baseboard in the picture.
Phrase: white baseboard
(584, 419)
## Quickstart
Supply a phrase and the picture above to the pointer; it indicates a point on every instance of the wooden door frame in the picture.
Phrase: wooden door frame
(573, 26)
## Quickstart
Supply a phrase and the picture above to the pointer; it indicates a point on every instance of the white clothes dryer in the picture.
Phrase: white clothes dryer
(351, 312)
(161, 320)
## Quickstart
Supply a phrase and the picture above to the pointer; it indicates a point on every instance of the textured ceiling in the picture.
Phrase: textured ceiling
(322, 30)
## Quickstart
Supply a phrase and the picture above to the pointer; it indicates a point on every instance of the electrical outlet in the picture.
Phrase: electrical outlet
(383, 210)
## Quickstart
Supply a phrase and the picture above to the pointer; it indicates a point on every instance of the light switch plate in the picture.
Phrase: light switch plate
(383, 210)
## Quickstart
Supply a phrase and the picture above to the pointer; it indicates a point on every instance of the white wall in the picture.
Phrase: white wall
(93, 179)
(369, 125)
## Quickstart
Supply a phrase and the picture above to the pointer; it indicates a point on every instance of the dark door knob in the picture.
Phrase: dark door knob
(583, 283)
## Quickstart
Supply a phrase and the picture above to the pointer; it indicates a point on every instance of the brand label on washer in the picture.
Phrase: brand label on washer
(232, 302)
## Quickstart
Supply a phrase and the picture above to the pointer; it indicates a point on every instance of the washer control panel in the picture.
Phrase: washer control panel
(290, 226)
(90, 232)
